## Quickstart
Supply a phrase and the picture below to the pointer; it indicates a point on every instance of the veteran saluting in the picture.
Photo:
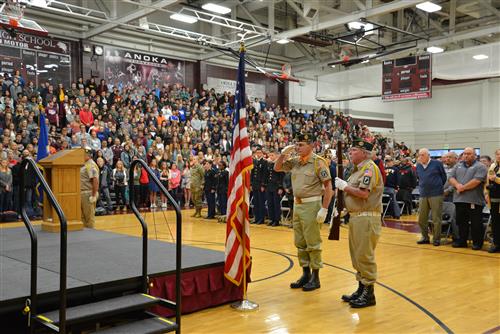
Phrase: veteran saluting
(310, 181)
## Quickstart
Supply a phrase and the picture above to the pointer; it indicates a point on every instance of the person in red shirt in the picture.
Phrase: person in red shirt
(86, 116)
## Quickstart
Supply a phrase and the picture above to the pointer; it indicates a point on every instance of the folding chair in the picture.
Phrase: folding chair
(415, 195)
(487, 225)
(401, 207)
(386, 201)
(448, 218)
(286, 210)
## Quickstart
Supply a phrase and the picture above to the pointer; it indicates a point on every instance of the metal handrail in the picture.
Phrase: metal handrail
(27, 163)
(178, 243)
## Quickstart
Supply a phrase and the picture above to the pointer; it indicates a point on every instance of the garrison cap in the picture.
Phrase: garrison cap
(305, 136)
(361, 143)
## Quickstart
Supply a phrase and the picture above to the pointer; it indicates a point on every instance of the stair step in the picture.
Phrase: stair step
(147, 326)
(102, 309)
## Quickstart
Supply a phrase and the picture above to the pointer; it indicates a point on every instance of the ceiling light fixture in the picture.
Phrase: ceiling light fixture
(365, 61)
(480, 57)
(184, 18)
(216, 8)
(429, 7)
(434, 49)
(356, 25)
(283, 41)
(333, 66)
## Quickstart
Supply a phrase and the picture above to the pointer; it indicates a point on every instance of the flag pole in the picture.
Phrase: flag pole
(245, 305)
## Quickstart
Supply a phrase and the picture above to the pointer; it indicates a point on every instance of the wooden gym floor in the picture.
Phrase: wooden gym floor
(421, 289)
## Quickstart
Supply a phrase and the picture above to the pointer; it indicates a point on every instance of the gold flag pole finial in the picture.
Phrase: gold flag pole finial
(242, 47)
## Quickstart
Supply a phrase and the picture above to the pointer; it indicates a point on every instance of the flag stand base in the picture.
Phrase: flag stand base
(245, 305)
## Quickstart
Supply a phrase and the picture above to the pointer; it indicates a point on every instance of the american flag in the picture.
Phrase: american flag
(238, 225)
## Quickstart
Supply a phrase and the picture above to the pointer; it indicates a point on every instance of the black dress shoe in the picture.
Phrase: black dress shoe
(457, 244)
(436, 243)
(423, 241)
(306, 276)
(313, 283)
(476, 247)
(494, 249)
(367, 298)
(355, 294)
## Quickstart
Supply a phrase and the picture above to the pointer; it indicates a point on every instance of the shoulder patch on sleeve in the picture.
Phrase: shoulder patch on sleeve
(324, 173)
(366, 180)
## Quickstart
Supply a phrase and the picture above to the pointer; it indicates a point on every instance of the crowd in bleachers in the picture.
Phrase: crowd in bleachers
(166, 126)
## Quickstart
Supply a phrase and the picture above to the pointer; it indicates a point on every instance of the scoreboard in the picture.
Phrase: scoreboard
(407, 78)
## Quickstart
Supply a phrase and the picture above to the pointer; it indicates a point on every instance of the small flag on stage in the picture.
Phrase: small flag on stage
(238, 225)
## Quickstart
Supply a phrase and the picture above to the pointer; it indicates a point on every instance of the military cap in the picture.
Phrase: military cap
(305, 136)
(361, 143)
(88, 149)
(258, 147)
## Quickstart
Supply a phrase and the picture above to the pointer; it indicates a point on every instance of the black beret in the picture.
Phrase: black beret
(361, 143)
(305, 136)
(258, 147)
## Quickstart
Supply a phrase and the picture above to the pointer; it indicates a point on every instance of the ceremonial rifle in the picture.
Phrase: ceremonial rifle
(335, 228)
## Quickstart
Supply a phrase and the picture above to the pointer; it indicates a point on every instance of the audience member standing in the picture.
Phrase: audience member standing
(259, 181)
(493, 194)
(469, 178)
(274, 190)
(431, 179)
(407, 182)
(210, 188)
(391, 186)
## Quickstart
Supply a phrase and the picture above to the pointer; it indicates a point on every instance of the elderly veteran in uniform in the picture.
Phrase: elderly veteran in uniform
(310, 181)
(363, 200)
(89, 186)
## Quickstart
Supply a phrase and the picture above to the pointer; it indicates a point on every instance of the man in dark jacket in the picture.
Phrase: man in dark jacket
(258, 180)
(432, 177)
(210, 188)
(104, 185)
(274, 190)
(407, 182)
(391, 186)
(222, 186)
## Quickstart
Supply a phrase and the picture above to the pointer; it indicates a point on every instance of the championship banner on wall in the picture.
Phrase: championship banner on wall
(129, 68)
(223, 85)
(39, 59)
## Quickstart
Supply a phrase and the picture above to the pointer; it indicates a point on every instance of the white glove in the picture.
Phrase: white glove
(340, 184)
(288, 149)
(92, 199)
(321, 216)
(335, 212)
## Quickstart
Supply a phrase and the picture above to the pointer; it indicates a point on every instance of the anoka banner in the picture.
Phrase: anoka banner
(125, 68)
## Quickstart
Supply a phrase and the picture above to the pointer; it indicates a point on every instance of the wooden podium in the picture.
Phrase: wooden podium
(62, 172)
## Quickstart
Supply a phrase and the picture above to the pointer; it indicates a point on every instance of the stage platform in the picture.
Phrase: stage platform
(104, 264)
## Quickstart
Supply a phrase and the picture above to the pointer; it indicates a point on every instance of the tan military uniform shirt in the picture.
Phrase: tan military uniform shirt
(308, 177)
(197, 177)
(365, 176)
(87, 172)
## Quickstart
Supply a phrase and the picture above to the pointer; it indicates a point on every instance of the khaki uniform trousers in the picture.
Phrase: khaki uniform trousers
(364, 232)
(88, 210)
(435, 204)
(306, 234)
(196, 194)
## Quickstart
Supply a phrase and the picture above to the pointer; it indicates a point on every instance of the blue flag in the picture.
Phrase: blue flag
(43, 140)
(43, 152)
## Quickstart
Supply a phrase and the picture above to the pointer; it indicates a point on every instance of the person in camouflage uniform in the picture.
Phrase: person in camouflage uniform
(197, 184)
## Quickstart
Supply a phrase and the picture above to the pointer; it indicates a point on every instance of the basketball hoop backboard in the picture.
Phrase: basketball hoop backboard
(12, 19)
